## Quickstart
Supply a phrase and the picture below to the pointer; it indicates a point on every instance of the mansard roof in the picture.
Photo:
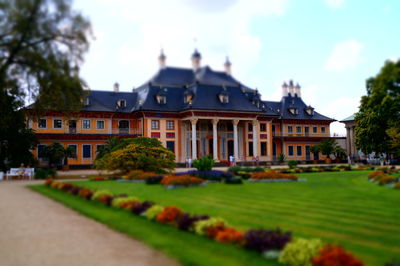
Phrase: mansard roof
(294, 102)
(106, 101)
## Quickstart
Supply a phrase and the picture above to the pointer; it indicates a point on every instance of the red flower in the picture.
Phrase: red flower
(333, 255)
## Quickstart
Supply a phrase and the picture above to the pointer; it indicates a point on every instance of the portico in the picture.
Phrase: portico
(220, 137)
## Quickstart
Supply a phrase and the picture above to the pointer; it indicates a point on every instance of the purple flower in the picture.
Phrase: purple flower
(263, 240)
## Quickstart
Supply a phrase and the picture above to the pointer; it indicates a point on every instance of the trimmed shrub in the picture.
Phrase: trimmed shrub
(169, 215)
(234, 169)
(205, 163)
(75, 190)
(300, 251)
(48, 182)
(45, 173)
(333, 255)
(186, 221)
(85, 193)
(124, 202)
(142, 207)
(384, 180)
(202, 227)
(213, 175)
(152, 212)
(292, 164)
(271, 174)
(229, 235)
(184, 180)
(263, 240)
(100, 193)
(234, 180)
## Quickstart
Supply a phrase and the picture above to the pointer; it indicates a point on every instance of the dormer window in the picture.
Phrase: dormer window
(161, 99)
(223, 98)
(309, 110)
(86, 102)
(121, 103)
(161, 96)
(189, 99)
(293, 111)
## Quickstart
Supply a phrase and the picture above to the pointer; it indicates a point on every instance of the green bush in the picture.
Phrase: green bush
(152, 212)
(300, 251)
(45, 173)
(201, 227)
(98, 194)
(234, 180)
(234, 169)
(281, 158)
(292, 164)
(138, 157)
(121, 200)
(205, 163)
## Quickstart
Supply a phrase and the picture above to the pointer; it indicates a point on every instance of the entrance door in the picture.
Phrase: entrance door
(123, 127)
(72, 126)
(230, 148)
(210, 147)
(308, 154)
(316, 156)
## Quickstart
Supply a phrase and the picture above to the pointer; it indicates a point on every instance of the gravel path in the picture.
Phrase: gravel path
(38, 231)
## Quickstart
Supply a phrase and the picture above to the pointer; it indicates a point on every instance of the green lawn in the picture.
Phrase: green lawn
(342, 208)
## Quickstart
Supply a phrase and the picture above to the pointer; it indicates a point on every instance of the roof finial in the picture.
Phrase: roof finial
(196, 60)
(162, 59)
(227, 66)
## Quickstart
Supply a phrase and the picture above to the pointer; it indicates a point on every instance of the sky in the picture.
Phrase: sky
(330, 47)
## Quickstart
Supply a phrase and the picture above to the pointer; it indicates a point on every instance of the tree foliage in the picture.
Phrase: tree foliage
(56, 154)
(41, 47)
(16, 140)
(205, 163)
(137, 154)
(378, 118)
(329, 147)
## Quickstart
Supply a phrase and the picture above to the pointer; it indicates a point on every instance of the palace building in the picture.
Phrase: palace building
(194, 112)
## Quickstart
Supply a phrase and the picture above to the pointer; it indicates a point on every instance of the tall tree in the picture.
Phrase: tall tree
(42, 43)
(379, 112)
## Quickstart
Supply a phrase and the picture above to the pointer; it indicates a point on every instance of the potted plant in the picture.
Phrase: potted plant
(327, 147)
(56, 154)
(339, 153)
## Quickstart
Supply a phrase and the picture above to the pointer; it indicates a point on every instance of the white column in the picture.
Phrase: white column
(255, 138)
(194, 138)
(215, 139)
(235, 139)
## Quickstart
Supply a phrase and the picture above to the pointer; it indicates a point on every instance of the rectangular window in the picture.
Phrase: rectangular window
(299, 150)
(86, 124)
(86, 151)
(273, 128)
(74, 150)
(306, 130)
(263, 127)
(57, 123)
(290, 129)
(323, 130)
(315, 129)
(40, 150)
(100, 124)
(250, 148)
(155, 124)
(249, 127)
(42, 123)
(291, 153)
(263, 149)
(171, 146)
(298, 129)
(170, 125)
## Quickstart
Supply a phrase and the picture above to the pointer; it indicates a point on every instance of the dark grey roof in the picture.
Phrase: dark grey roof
(106, 101)
(173, 76)
(295, 102)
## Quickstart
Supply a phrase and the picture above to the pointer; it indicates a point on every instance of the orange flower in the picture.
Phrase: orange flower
(169, 215)
(229, 235)
(184, 180)
(334, 255)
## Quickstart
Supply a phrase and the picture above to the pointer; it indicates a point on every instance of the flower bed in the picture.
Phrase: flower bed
(271, 243)
(385, 178)
(181, 181)
(272, 175)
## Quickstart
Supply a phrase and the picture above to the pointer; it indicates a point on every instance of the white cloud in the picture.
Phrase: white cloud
(346, 55)
(141, 28)
(340, 109)
(334, 3)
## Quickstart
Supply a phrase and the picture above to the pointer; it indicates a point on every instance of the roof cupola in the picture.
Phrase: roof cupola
(196, 60)
(162, 59)
(227, 66)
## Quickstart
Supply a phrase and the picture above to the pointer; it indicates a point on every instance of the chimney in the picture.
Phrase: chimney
(284, 89)
(196, 58)
(227, 66)
(297, 90)
(291, 88)
(116, 87)
(162, 59)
